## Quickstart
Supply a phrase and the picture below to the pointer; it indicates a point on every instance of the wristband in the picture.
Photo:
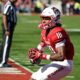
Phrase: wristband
(45, 57)
(41, 46)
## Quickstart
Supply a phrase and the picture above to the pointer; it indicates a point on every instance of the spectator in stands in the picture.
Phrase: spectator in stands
(32, 5)
(24, 6)
(64, 6)
(70, 7)
(38, 6)
(77, 8)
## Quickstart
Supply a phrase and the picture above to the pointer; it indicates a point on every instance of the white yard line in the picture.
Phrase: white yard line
(73, 30)
(10, 71)
(70, 77)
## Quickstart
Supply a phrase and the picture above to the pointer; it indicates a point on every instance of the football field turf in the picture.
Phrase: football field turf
(27, 35)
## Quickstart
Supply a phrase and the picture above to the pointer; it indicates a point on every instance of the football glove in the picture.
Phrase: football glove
(34, 56)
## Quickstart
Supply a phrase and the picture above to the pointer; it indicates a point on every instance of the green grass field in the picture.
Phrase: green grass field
(27, 35)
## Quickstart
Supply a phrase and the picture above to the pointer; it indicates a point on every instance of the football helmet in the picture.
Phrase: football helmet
(51, 12)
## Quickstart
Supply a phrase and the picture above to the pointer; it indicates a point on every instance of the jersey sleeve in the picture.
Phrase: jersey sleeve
(6, 9)
(58, 37)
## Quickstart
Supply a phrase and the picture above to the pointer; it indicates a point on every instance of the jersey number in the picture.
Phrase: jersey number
(59, 35)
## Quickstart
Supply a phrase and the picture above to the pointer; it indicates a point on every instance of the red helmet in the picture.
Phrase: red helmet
(52, 13)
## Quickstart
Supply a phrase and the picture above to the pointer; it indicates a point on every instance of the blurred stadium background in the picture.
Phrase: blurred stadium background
(27, 34)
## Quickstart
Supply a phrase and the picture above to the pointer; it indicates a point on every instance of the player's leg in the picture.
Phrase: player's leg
(59, 74)
(36, 75)
(63, 73)
(66, 68)
(43, 72)
(53, 71)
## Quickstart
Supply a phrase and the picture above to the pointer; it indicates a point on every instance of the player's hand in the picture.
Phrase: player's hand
(34, 55)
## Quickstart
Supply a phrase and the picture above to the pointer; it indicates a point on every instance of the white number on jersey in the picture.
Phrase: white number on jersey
(59, 35)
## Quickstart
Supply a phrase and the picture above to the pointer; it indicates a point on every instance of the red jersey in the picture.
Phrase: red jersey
(55, 36)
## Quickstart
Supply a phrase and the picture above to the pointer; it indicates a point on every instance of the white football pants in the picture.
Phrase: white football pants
(54, 71)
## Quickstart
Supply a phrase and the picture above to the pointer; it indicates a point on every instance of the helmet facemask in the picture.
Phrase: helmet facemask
(49, 22)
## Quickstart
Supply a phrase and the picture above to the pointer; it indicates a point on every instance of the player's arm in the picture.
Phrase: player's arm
(59, 46)
(41, 46)
(59, 55)
(35, 55)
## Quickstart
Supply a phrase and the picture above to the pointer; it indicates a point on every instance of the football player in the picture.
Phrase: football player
(58, 41)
